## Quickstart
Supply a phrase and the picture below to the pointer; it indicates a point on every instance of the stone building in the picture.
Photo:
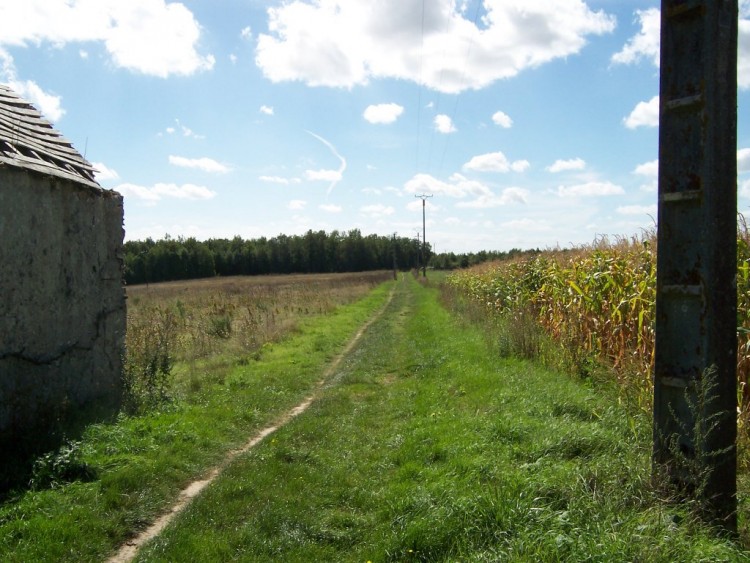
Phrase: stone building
(62, 300)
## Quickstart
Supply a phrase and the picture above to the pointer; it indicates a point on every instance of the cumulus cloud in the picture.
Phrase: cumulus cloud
(377, 211)
(323, 175)
(645, 114)
(495, 162)
(638, 210)
(104, 173)
(564, 165)
(743, 160)
(267, 110)
(645, 44)
(204, 164)
(246, 33)
(330, 208)
(459, 186)
(444, 124)
(279, 180)
(50, 105)
(344, 43)
(502, 119)
(383, 113)
(526, 224)
(650, 169)
(590, 189)
(151, 37)
(160, 191)
(487, 201)
(297, 204)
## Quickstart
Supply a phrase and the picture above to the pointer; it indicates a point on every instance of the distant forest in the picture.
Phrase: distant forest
(180, 258)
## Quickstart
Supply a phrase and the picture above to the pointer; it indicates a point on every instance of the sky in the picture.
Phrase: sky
(531, 123)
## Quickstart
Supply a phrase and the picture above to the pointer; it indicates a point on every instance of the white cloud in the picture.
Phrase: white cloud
(650, 169)
(502, 119)
(526, 225)
(343, 43)
(333, 176)
(590, 189)
(186, 131)
(495, 162)
(83, 54)
(486, 201)
(48, 104)
(645, 114)
(148, 36)
(383, 113)
(323, 175)
(104, 173)
(458, 186)
(267, 110)
(205, 164)
(246, 33)
(377, 211)
(160, 191)
(744, 188)
(564, 165)
(645, 44)
(743, 53)
(444, 124)
(279, 180)
(638, 210)
(330, 208)
(743, 160)
(297, 204)
(233, 58)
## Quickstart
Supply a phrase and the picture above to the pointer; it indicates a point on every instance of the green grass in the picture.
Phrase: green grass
(424, 446)
(137, 466)
(428, 447)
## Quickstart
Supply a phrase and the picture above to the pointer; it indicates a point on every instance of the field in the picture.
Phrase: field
(419, 440)
(184, 335)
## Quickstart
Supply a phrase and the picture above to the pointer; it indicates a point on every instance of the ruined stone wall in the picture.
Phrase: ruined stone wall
(62, 304)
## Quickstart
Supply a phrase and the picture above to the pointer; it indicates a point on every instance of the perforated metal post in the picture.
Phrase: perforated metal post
(696, 309)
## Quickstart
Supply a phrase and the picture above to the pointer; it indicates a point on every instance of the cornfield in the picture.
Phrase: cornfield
(598, 302)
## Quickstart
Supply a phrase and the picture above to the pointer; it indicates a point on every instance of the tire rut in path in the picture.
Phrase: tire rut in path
(129, 549)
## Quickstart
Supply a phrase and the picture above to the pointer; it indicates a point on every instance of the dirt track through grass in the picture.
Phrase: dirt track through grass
(129, 550)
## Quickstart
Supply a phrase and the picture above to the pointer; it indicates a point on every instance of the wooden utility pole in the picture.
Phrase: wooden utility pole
(695, 383)
(424, 235)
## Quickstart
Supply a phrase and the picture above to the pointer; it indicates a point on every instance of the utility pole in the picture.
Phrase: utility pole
(424, 235)
(695, 362)
(419, 246)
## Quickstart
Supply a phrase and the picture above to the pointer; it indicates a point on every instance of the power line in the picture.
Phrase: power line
(424, 198)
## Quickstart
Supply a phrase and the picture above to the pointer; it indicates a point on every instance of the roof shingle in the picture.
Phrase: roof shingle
(27, 140)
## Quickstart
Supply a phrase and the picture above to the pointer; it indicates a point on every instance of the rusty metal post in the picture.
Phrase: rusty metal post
(695, 382)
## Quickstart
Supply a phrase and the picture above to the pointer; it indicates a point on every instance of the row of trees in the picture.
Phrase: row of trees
(314, 252)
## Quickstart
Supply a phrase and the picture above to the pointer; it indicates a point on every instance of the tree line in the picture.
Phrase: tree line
(170, 259)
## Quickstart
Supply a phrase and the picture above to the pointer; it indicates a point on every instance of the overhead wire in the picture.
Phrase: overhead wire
(462, 81)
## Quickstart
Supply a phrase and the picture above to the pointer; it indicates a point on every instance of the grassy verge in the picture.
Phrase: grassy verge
(430, 448)
(99, 491)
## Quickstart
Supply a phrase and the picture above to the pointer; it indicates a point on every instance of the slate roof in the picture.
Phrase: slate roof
(27, 140)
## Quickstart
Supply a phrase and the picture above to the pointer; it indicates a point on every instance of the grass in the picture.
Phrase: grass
(128, 472)
(424, 446)
(430, 448)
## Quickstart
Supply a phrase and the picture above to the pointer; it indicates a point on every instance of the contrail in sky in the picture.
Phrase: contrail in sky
(334, 175)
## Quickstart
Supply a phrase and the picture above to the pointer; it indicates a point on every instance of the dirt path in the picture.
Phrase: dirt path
(129, 549)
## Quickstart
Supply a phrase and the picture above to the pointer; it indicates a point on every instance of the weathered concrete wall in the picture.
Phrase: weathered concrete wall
(62, 304)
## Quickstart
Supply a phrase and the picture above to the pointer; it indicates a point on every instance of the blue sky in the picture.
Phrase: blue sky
(533, 123)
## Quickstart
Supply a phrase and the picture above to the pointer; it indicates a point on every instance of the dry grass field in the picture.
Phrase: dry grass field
(184, 334)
